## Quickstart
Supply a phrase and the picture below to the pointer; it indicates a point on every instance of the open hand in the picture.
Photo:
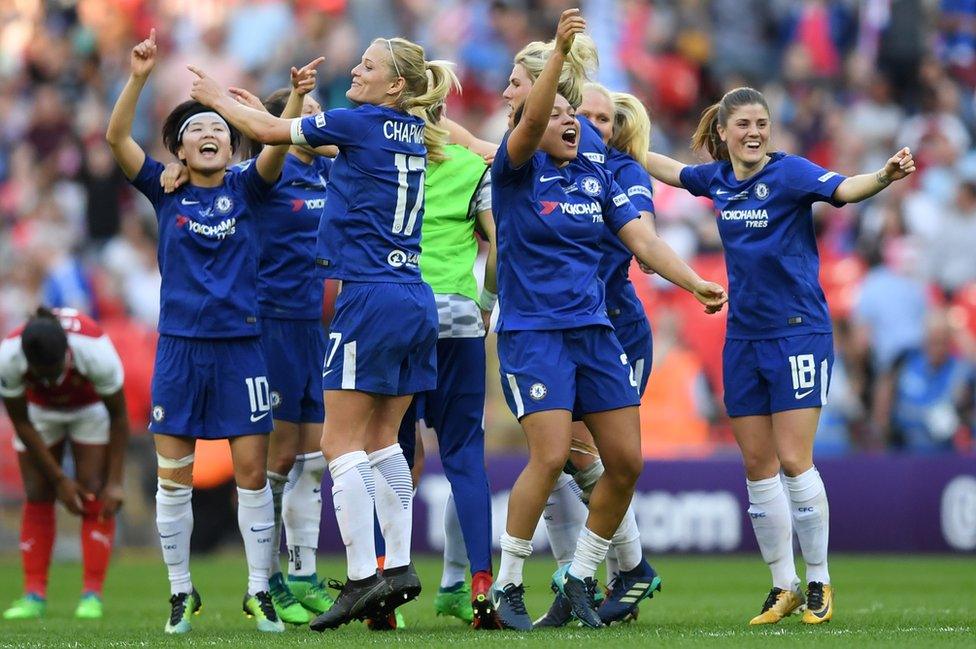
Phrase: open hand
(174, 176)
(247, 98)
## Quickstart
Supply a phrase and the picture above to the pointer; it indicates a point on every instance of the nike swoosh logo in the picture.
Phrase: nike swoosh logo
(169, 536)
(258, 418)
(800, 395)
(183, 201)
(720, 192)
(325, 373)
(255, 528)
(545, 179)
(318, 490)
(822, 614)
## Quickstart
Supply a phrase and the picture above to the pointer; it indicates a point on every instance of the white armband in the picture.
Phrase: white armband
(297, 136)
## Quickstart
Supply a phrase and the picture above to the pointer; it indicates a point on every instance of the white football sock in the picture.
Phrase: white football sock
(564, 515)
(625, 545)
(514, 553)
(394, 503)
(302, 512)
(591, 550)
(255, 517)
(811, 519)
(455, 554)
(276, 482)
(769, 511)
(352, 498)
(174, 520)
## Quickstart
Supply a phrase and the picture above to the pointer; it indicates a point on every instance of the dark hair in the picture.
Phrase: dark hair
(275, 104)
(176, 117)
(706, 135)
(43, 340)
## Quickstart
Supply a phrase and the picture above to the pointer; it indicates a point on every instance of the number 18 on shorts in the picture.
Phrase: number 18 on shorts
(766, 376)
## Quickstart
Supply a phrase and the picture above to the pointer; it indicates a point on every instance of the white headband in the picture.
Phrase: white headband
(393, 57)
(196, 116)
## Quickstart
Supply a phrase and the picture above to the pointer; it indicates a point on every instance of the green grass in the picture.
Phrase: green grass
(881, 601)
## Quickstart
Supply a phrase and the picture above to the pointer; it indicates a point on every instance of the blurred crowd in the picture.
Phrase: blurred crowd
(849, 82)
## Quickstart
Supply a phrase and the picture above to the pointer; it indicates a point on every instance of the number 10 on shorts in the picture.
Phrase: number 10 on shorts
(804, 369)
(258, 393)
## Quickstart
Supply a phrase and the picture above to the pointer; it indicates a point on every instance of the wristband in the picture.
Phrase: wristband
(488, 300)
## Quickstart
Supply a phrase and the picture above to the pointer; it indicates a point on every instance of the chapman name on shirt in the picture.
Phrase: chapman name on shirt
(403, 132)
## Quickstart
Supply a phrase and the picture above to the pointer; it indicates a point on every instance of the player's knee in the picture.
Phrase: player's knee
(549, 462)
(281, 463)
(250, 477)
(760, 465)
(795, 463)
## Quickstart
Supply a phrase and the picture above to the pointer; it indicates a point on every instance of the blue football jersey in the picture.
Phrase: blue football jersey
(374, 204)
(288, 224)
(208, 253)
(591, 145)
(550, 221)
(766, 225)
(623, 305)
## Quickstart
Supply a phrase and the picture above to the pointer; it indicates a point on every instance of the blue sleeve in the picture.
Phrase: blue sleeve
(636, 183)
(255, 188)
(696, 178)
(502, 171)
(812, 182)
(323, 165)
(147, 180)
(618, 211)
(339, 126)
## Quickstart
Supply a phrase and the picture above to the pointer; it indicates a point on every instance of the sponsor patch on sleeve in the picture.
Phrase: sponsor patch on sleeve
(640, 190)
(320, 120)
(827, 176)
(620, 199)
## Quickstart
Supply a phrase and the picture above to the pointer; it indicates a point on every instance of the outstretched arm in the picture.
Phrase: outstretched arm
(655, 253)
(464, 137)
(857, 188)
(126, 150)
(256, 124)
(527, 134)
(665, 169)
(272, 158)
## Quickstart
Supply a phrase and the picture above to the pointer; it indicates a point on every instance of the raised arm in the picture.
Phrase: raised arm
(527, 134)
(126, 150)
(654, 252)
(663, 168)
(857, 188)
(256, 124)
(272, 158)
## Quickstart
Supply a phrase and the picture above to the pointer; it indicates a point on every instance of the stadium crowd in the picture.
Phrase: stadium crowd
(848, 82)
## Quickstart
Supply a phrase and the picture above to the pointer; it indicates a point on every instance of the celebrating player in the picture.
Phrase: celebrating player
(779, 344)
(557, 353)
(290, 302)
(210, 379)
(61, 378)
(384, 333)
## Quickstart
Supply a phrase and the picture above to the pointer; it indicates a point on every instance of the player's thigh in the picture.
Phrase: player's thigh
(548, 435)
(754, 435)
(794, 432)
(746, 392)
(249, 454)
(91, 464)
(37, 487)
(310, 437)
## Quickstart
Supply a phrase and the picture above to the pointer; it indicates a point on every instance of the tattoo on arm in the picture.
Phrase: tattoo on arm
(882, 178)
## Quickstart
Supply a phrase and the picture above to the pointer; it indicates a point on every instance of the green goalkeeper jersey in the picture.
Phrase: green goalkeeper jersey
(448, 245)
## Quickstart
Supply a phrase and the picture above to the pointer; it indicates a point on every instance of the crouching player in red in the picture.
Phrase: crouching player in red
(61, 378)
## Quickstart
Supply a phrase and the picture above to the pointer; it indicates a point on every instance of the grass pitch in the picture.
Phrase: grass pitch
(706, 601)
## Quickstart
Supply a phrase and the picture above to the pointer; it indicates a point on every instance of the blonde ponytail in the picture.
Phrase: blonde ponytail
(426, 86)
(582, 62)
(631, 127)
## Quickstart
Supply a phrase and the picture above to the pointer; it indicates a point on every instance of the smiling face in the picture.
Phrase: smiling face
(746, 133)
(205, 146)
(598, 108)
(561, 139)
(519, 85)
(373, 80)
